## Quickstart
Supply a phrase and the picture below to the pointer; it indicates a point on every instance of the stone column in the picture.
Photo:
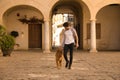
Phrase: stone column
(46, 37)
(93, 36)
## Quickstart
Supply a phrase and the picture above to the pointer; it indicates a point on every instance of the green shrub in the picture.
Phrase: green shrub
(7, 42)
(2, 30)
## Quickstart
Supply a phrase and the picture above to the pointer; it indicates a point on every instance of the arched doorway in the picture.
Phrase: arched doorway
(109, 19)
(66, 11)
(25, 20)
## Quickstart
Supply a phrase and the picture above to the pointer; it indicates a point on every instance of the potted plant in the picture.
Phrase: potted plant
(7, 43)
(14, 34)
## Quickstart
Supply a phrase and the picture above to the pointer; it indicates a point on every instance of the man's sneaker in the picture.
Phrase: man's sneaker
(69, 67)
(67, 64)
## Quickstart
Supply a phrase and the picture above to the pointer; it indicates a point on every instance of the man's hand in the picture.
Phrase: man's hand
(76, 45)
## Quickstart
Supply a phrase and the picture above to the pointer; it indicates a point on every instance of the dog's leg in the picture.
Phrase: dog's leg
(60, 62)
(57, 63)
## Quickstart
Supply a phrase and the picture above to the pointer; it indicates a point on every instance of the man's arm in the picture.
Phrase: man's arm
(76, 38)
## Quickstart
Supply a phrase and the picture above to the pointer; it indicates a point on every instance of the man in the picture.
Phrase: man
(70, 38)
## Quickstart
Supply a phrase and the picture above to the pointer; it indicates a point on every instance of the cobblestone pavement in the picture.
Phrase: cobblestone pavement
(35, 65)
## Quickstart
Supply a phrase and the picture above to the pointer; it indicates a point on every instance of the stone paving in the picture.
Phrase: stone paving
(35, 65)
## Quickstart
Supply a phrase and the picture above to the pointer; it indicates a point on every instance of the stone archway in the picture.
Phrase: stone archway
(10, 19)
(77, 11)
(109, 17)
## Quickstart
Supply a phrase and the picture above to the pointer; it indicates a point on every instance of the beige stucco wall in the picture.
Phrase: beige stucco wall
(90, 10)
(109, 17)
(13, 24)
(107, 41)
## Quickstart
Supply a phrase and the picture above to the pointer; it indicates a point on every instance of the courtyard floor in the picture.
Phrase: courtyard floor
(35, 65)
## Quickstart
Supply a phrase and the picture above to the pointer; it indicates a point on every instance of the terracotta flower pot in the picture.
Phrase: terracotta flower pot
(7, 52)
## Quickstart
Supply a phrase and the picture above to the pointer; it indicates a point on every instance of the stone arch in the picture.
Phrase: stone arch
(108, 16)
(85, 5)
(103, 4)
(8, 4)
(11, 18)
(80, 10)
(20, 7)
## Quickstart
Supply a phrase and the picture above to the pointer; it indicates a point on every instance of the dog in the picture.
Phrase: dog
(59, 58)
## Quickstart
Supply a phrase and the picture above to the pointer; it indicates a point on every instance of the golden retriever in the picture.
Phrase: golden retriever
(59, 58)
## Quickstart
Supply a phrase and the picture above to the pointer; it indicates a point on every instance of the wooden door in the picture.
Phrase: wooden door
(35, 35)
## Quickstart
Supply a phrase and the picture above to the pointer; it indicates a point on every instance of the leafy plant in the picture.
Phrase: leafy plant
(2, 30)
(30, 20)
(7, 42)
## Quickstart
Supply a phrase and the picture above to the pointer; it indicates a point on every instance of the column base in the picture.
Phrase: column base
(93, 51)
(46, 51)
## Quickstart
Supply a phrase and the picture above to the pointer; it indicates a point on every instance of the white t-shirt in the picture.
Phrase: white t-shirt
(69, 38)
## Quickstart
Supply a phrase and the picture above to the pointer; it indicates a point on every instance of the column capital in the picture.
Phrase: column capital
(93, 19)
(46, 20)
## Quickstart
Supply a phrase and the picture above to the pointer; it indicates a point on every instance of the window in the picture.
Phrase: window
(98, 30)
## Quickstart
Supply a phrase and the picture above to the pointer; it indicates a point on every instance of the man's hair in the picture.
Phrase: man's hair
(66, 24)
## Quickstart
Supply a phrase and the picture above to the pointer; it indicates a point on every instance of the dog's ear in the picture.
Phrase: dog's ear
(58, 50)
